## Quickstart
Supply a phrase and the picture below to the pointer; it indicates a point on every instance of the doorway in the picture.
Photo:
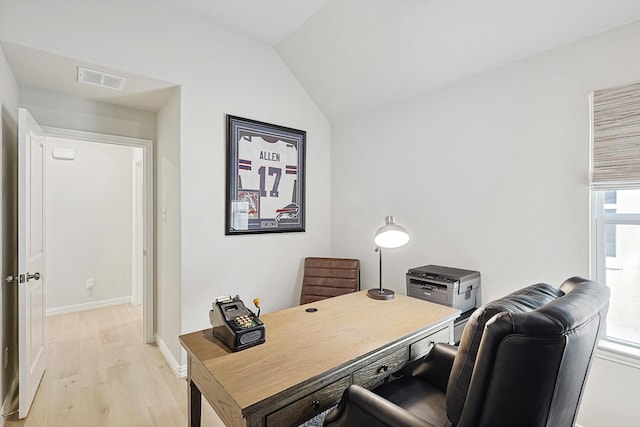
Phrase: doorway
(100, 189)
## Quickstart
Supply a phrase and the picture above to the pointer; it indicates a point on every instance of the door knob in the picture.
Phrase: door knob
(35, 276)
(20, 278)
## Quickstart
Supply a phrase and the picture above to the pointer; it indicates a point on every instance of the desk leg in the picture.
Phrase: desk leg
(195, 405)
(194, 399)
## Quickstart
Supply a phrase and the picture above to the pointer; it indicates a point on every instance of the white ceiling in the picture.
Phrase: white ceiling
(60, 76)
(354, 55)
(269, 21)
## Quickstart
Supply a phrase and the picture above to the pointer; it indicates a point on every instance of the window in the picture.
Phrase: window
(610, 206)
(615, 233)
(617, 261)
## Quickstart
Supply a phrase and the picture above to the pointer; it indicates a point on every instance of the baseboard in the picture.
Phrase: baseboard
(88, 306)
(10, 401)
(179, 370)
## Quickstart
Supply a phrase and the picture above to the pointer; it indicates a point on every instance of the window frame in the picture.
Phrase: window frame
(609, 348)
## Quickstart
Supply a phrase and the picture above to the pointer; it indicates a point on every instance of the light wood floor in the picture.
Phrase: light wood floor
(99, 373)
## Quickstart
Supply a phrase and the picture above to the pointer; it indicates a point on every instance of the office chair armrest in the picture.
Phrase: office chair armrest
(360, 407)
(435, 368)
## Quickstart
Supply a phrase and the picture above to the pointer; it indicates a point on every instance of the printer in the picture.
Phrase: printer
(454, 287)
(449, 286)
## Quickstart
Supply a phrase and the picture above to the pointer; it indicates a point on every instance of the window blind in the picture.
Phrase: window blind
(615, 161)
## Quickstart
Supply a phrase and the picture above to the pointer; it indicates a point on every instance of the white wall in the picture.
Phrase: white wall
(168, 224)
(612, 395)
(71, 112)
(490, 174)
(219, 73)
(89, 218)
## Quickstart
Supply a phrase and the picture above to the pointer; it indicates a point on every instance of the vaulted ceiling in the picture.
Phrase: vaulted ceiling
(355, 55)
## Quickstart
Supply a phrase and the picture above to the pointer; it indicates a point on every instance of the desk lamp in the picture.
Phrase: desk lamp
(388, 236)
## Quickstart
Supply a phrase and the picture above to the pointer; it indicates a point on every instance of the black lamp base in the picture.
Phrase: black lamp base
(384, 294)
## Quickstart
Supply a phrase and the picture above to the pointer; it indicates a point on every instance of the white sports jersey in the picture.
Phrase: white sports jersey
(270, 168)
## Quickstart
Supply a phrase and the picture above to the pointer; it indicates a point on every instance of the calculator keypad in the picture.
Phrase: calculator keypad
(243, 322)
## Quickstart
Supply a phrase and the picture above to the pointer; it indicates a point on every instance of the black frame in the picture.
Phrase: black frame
(272, 199)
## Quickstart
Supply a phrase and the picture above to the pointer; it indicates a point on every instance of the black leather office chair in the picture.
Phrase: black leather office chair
(329, 277)
(523, 360)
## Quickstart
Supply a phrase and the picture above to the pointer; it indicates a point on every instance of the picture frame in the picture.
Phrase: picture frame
(265, 177)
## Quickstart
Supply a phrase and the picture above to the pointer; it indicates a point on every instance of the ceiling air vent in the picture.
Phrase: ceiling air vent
(99, 78)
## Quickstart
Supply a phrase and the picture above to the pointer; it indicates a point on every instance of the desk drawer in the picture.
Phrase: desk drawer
(309, 406)
(377, 371)
(424, 346)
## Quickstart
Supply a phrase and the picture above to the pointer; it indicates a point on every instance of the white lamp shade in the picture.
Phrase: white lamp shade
(391, 235)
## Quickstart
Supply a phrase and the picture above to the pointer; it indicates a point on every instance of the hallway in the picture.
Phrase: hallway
(101, 374)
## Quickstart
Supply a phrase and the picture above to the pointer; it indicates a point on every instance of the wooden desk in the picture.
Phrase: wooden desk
(308, 359)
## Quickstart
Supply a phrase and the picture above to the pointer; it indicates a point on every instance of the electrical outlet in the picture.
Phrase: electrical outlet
(90, 283)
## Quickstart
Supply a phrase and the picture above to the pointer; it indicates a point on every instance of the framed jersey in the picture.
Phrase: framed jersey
(265, 177)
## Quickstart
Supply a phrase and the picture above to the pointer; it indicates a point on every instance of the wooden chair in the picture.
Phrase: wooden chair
(329, 277)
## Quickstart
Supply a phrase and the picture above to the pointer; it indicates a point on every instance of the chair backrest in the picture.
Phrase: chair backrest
(524, 359)
(329, 277)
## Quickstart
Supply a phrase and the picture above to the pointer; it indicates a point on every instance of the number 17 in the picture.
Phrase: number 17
(263, 181)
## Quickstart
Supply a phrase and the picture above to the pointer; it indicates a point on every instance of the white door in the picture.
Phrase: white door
(32, 277)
